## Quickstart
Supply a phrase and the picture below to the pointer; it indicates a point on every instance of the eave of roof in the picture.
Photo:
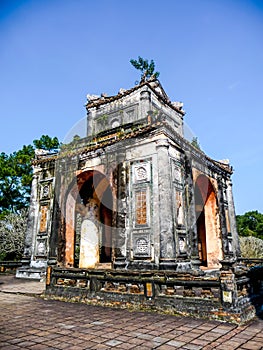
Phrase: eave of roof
(129, 135)
(107, 99)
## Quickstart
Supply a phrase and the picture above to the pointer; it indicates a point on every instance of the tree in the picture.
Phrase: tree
(250, 224)
(47, 143)
(12, 235)
(146, 68)
(251, 247)
(16, 175)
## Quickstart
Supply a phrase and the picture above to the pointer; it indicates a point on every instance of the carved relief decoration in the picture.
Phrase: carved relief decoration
(141, 245)
(141, 172)
(41, 249)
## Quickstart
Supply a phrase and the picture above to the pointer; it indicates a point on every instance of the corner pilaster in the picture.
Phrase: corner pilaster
(167, 242)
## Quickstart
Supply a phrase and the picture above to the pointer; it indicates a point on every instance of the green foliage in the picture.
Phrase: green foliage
(47, 143)
(250, 224)
(195, 143)
(16, 175)
(146, 68)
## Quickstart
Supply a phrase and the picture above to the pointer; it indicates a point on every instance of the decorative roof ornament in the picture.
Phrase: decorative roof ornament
(91, 98)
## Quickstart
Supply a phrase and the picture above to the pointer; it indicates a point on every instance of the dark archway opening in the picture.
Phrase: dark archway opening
(94, 202)
(207, 222)
(200, 224)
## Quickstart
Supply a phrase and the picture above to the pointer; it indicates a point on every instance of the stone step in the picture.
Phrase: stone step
(31, 273)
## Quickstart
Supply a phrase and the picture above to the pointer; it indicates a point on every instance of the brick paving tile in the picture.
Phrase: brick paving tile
(26, 344)
(45, 325)
(62, 346)
(13, 341)
(185, 329)
(145, 336)
(136, 341)
(98, 340)
(123, 338)
(150, 344)
(213, 336)
(101, 347)
(186, 337)
(172, 334)
(206, 327)
(239, 339)
(106, 335)
(165, 347)
(125, 346)
(156, 333)
(113, 342)
(220, 330)
(231, 345)
(197, 330)
(209, 347)
(39, 347)
(160, 339)
(176, 343)
(192, 347)
(200, 342)
(252, 345)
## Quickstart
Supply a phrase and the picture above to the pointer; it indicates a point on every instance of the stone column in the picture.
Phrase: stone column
(222, 216)
(191, 215)
(167, 242)
(90, 121)
(30, 235)
(145, 103)
(228, 286)
(120, 230)
(232, 219)
(53, 239)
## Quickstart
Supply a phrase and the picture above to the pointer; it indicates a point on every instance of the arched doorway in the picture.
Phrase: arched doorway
(207, 222)
(89, 221)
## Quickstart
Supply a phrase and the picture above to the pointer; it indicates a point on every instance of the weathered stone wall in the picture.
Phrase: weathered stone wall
(223, 296)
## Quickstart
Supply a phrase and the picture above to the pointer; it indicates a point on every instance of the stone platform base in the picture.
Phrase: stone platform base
(189, 293)
(31, 273)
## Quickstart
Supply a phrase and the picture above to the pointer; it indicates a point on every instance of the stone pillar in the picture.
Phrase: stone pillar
(232, 219)
(167, 241)
(90, 121)
(120, 230)
(228, 286)
(145, 102)
(222, 216)
(53, 239)
(191, 215)
(30, 235)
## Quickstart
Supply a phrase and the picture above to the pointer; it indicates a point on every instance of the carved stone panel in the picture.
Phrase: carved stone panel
(177, 174)
(182, 245)
(45, 189)
(41, 247)
(141, 244)
(141, 172)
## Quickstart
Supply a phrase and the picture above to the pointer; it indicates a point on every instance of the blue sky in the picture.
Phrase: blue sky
(209, 54)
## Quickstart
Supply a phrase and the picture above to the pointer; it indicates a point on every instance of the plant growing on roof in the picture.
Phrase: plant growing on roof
(146, 68)
(196, 143)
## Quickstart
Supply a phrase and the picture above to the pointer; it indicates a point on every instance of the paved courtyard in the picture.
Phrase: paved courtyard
(29, 322)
